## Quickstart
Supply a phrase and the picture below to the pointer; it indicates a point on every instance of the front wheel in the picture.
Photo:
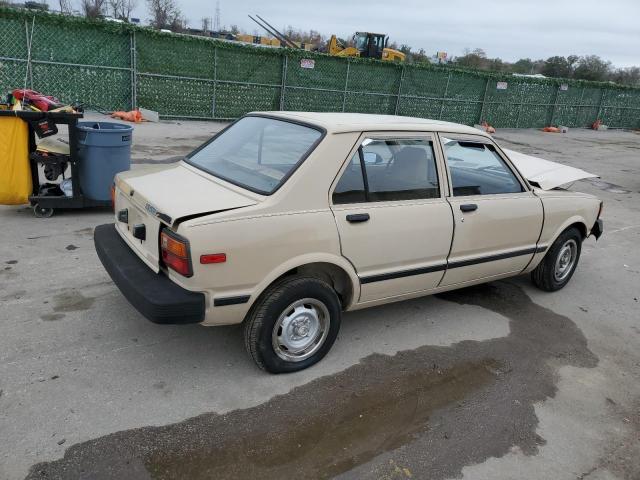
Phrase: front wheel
(293, 325)
(557, 267)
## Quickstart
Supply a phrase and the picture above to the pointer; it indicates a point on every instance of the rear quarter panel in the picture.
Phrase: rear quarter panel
(259, 249)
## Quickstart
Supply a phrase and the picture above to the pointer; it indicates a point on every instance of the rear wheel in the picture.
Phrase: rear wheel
(293, 325)
(557, 267)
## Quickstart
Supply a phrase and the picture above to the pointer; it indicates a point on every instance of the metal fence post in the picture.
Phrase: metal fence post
(215, 81)
(520, 104)
(444, 97)
(555, 106)
(284, 81)
(579, 106)
(28, 74)
(399, 90)
(346, 85)
(134, 71)
(484, 100)
(602, 97)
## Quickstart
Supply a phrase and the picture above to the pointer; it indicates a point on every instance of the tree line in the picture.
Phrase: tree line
(586, 67)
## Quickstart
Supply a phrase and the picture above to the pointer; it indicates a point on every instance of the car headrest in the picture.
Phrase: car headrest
(411, 162)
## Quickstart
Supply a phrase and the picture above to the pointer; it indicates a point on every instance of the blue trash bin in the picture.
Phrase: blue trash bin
(104, 150)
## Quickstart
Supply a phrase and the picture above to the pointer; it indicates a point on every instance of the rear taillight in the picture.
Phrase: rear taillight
(175, 252)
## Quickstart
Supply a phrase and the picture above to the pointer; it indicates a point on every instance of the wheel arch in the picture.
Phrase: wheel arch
(336, 271)
(581, 227)
(545, 274)
(577, 222)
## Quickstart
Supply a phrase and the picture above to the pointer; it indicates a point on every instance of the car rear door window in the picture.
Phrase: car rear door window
(389, 170)
(477, 169)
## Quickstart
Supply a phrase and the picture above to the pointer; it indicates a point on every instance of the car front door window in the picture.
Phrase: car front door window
(477, 169)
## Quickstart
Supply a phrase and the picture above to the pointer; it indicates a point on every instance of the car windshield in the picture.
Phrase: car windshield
(257, 153)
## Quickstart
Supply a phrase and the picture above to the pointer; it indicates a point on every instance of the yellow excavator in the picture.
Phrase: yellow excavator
(366, 44)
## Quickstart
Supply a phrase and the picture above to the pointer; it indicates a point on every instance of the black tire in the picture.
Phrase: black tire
(42, 212)
(544, 275)
(261, 320)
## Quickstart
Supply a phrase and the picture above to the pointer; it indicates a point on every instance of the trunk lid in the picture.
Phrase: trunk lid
(159, 195)
(176, 191)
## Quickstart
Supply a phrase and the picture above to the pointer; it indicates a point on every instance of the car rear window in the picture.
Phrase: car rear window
(257, 153)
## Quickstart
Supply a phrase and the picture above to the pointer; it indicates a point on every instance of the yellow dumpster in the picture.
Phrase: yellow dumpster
(15, 171)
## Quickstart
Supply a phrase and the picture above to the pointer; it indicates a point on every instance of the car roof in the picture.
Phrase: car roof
(360, 122)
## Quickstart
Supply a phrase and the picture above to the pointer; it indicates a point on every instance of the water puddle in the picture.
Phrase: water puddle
(68, 301)
(332, 435)
(426, 412)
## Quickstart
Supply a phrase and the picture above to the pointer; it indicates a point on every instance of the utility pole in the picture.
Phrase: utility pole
(216, 19)
(206, 23)
(65, 6)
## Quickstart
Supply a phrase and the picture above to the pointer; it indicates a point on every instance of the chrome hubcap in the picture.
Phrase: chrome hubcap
(300, 330)
(565, 260)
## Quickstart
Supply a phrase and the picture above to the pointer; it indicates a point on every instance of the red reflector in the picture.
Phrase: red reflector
(213, 258)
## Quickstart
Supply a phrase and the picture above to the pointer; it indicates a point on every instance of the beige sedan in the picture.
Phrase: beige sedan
(286, 219)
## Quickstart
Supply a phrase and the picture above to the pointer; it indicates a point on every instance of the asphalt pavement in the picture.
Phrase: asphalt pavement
(499, 381)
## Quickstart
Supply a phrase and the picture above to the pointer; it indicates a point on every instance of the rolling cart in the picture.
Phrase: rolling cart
(42, 203)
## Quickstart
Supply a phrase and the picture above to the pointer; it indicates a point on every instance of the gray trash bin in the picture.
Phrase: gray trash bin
(104, 150)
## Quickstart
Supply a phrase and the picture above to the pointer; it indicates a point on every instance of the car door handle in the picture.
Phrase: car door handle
(357, 217)
(469, 207)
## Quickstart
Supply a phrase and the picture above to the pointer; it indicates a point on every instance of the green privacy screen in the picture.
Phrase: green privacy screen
(110, 66)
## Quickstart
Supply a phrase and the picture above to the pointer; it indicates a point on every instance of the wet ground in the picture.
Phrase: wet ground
(412, 400)
(498, 381)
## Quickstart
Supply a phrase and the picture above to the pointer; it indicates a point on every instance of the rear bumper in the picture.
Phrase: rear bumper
(597, 229)
(152, 294)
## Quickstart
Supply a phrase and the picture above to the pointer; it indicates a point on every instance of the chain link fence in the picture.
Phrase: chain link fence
(113, 67)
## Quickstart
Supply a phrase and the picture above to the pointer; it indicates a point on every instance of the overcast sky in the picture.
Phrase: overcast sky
(509, 29)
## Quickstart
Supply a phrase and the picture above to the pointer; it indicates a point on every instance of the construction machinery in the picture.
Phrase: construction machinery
(257, 40)
(280, 38)
(368, 45)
